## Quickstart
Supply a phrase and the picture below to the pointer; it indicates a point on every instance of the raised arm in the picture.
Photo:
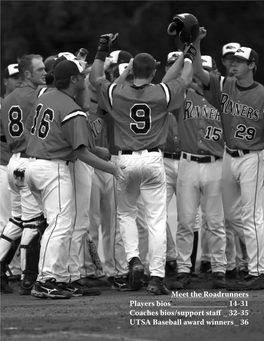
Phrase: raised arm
(198, 69)
(121, 79)
(184, 63)
(105, 41)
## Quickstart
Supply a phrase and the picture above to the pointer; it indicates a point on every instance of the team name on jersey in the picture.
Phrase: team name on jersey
(231, 107)
(196, 111)
(96, 126)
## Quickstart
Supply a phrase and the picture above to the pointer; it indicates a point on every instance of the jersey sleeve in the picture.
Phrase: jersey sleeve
(212, 92)
(76, 121)
(103, 99)
(176, 92)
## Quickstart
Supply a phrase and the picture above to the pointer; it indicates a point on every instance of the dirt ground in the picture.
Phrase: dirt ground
(201, 313)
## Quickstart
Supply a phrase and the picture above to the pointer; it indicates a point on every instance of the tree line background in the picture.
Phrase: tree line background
(50, 27)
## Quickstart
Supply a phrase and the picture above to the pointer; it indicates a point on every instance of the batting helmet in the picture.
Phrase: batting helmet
(185, 26)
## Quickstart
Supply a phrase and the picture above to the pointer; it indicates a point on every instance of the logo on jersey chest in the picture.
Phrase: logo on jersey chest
(97, 127)
(197, 111)
(233, 108)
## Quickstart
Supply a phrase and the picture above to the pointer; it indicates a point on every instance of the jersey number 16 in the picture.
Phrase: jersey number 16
(44, 126)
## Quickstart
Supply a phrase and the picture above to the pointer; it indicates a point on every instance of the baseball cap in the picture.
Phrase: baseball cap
(10, 71)
(120, 56)
(246, 53)
(119, 69)
(67, 68)
(230, 48)
(172, 56)
(48, 62)
(208, 63)
(67, 55)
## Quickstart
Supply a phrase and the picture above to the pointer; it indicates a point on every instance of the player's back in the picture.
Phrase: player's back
(141, 116)
(52, 135)
(15, 110)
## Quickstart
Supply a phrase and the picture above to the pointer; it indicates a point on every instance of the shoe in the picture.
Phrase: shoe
(92, 282)
(72, 289)
(14, 278)
(205, 269)
(5, 287)
(85, 290)
(243, 273)
(219, 281)
(182, 280)
(49, 289)
(121, 284)
(26, 284)
(170, 268)
(136, 272)
(249, 283)
(156, 286)
(145, 280)
(231, 274)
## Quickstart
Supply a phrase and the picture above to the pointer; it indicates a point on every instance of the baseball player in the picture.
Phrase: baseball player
(11, 80)
(27, 218)
(235, 247)
(242, 106)
(58, 134)
(140, 112)
(103, 205)
(200, 167)
(81, 174)
(228, 51)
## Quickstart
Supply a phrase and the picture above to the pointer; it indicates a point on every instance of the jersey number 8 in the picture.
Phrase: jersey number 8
(15, 118)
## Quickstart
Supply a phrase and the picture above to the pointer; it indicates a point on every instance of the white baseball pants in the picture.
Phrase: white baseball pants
(145, 175)
(81, 175)
(51, 184)
(196, 179)
(242, 198)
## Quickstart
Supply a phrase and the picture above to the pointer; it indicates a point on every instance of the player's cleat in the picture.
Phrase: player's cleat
(26, 284)
(145, 280)
(136, 272)
(5, 286)
(170, 268)
(231, 274)
(205, 269)
(49, 289)
(92, 282)
(248, 283)
(14, 278)
(219, 281)
(121, 283)
(86, 291)
(156, 286)
(243, 273)
(181, 281)
(70, 288)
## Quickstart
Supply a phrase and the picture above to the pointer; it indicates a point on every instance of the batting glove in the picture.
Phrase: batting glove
(106, 40)
(190, 53)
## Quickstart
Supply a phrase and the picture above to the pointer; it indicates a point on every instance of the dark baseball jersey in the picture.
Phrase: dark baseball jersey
(242, 115)
(199, 125)
(15, 109)
(98, 127)
(59, 127)
(172, 143)
(141, 112)
(5, 152)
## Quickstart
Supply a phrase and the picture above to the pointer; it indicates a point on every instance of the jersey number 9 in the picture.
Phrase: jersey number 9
(141, 115)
